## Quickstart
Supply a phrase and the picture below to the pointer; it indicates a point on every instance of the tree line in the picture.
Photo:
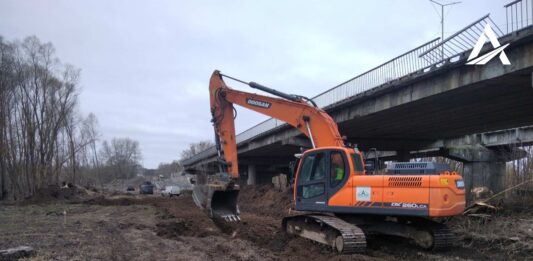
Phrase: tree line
(44, 139)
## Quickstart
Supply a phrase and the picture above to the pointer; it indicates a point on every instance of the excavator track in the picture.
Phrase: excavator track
(443, 238)
(342, 236)
(353, 238)
(426, 234)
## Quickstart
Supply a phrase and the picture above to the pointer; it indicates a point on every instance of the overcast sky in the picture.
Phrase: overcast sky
(146, 64)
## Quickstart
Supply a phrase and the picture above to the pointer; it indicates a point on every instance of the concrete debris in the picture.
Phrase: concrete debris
(280, 182)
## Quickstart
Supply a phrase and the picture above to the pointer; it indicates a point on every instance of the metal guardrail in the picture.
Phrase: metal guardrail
(428, 55)
(394, 69)
(460, 42)
(518, 14)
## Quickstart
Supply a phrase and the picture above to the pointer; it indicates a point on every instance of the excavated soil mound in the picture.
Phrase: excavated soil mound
(175, 229)
(54, 193)
(262, 209)
(105, 201)
(265, 200)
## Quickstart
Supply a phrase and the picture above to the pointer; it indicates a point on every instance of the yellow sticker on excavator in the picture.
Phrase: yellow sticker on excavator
(444, 182)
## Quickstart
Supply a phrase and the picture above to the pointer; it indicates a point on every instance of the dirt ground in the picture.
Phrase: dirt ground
(89, 226)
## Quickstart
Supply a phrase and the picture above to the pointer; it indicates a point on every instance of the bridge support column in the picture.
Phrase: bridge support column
(484, 167)
(484, 174)
(251, 175)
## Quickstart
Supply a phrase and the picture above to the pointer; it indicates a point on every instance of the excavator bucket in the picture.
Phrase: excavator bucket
(218, 198)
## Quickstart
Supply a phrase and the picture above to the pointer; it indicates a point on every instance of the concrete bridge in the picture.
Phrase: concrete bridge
(426, 102)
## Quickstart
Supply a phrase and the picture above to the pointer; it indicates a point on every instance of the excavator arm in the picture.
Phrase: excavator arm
(218, 193)
(294, 110)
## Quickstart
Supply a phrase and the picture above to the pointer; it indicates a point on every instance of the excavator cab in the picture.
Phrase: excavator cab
(323, 173)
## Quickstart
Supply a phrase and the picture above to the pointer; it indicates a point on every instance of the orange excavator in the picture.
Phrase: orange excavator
(338, 201)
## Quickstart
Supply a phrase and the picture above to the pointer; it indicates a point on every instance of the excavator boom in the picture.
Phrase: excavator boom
(218, 196)
(310, 120)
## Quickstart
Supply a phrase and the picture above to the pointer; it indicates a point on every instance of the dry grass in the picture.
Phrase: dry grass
(508, 230)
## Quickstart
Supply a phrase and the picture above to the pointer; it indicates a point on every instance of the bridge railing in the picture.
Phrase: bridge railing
(460, 42)
(518, 14)
(395, 68)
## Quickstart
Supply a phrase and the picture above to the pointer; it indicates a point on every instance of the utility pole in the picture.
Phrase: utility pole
(442, 23)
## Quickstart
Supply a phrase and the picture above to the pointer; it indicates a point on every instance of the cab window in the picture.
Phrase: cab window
(357, 162)
(337, 168)
(312, 175)
(313, 168)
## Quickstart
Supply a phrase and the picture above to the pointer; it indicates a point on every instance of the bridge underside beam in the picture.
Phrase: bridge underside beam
(502, 104)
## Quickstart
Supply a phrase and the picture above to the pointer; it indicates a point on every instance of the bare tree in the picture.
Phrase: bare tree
(7, 78)
(39, 132)
(166, 169)
(89, 154)
(122, 157)
(195, 148)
